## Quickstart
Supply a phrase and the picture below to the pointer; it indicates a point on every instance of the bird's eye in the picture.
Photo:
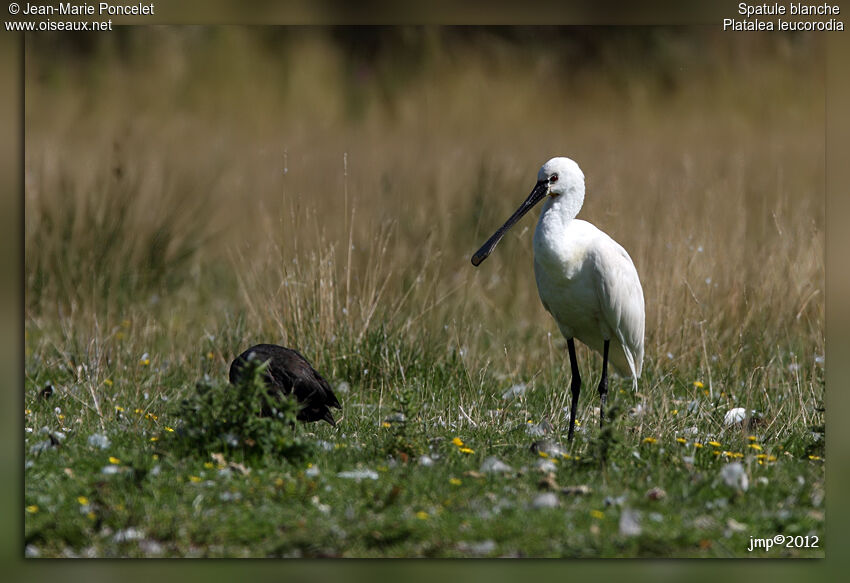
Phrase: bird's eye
(553, 179)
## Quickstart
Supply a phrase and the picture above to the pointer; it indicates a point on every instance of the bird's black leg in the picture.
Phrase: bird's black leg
(603, 384)
(575, 386)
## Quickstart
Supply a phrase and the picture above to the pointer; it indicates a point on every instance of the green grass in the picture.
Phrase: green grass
(200, 505)
(196, 504)
(158, 251)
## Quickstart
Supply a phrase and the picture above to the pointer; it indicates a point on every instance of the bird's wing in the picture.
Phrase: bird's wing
(311, 386)
(621, 299)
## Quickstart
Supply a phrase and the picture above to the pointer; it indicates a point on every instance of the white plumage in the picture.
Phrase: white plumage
(585, 279)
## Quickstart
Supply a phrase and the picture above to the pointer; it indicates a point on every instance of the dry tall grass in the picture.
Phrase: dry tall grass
(202, 183)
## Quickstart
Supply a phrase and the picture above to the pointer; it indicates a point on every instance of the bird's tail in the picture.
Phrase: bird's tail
(632, 368)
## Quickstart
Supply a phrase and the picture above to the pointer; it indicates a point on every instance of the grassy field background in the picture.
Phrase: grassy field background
(192, 191)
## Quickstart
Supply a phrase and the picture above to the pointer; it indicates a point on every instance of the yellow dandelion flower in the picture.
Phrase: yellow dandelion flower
(542, 454)
(457, 441)
(146, 362)
(649, 440)
(681, 440)
(761, 462)
(137, 411)
(107, 382)
(119, 409)
(32, 509)
(154, 438)
(714, 443)
(771, 458)
(91, 515)
(675, 411)
(697, 444)
(82, 500)
(114, 460)
(598, 514)
(60, 417)
(752, 437)
(210, 355)
(716, 452)
(454, 482)
(155, 456)
(385, 424)
(566, 456)
(814, 457)
(761, 456)
(169, 429)
(466, 450)
(698, 384)
(27, 411)
(278, 482)
(755, 446)
(208, 465)
(737, 454)
(578, 423)
(529, 422)
(195, 479)
(422, 515)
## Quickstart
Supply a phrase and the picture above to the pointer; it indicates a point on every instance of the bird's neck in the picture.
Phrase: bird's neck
(558, 211)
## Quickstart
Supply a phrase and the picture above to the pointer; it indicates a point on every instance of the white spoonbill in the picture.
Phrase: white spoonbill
(585, 279)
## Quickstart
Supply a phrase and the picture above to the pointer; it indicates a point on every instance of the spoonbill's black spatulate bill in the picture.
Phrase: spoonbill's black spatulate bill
(288, 372)
(585, 279)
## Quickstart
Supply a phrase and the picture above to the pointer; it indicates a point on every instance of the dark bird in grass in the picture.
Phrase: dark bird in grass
(288, 372)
